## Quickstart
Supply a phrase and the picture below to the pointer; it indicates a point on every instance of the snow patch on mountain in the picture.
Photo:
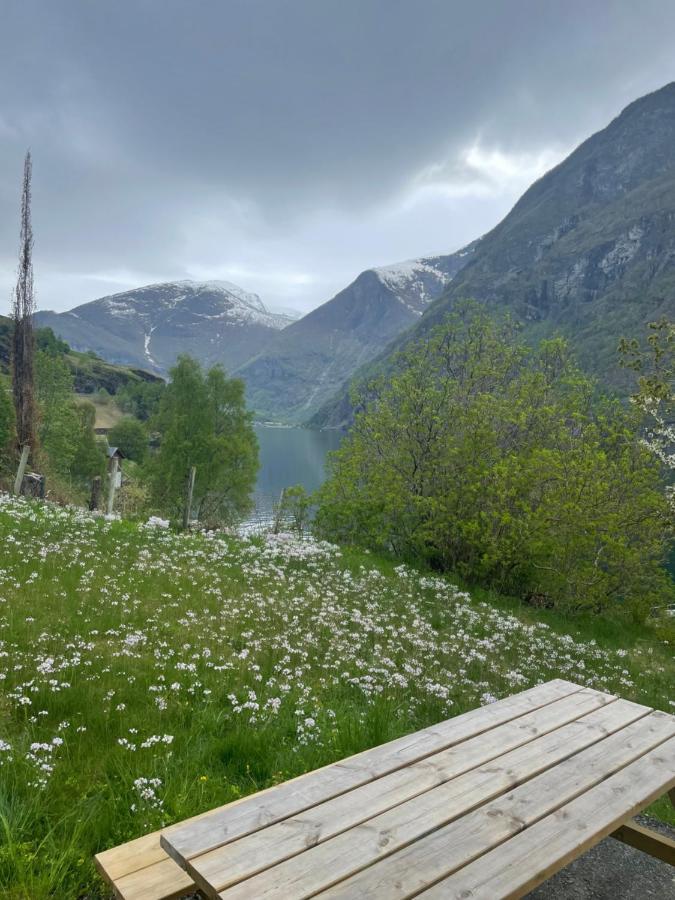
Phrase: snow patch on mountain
(415, 282)
(202, 299)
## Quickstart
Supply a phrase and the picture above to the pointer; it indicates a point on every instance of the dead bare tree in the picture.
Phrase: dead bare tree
(23, 346)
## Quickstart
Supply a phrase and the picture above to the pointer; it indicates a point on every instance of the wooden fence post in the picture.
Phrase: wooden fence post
(113, 485)
(23, 462)
(188, 499)
(279, 513)
(95, 500)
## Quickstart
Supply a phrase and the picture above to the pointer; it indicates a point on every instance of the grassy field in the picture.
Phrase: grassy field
(147, 676)
(108, 413)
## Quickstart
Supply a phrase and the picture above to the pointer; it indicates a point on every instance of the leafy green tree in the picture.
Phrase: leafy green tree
(655, 394)
(141, 399)
(204, 423)
(131, 437)
(89, 459)
(485, 457)
(48, 342)
(66, 428)
(7, 432)
(58, 421)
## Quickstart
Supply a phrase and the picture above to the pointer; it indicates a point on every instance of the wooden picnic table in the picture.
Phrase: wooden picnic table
(486, 805)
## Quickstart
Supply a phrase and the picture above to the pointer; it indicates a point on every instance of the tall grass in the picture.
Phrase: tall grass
(146, 676)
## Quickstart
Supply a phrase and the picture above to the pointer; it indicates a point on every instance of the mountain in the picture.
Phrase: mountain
(588, 251)
(214, 321)
(303, 366)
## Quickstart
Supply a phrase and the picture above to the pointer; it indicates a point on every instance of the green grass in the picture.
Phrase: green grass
(237, 664)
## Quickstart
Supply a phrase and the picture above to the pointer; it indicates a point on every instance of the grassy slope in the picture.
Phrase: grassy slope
(219, 666)
(90, 373)
(108, 413)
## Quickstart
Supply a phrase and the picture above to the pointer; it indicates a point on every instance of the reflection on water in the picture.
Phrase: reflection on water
(289, 456)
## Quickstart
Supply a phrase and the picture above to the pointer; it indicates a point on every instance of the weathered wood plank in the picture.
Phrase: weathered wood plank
(648, 841)
(125, 858)
(337, 859)
(158, 876)
(164, 880)
(186, 840)
(513, 869)
(145, 852)
(246, 856)
(447, 849)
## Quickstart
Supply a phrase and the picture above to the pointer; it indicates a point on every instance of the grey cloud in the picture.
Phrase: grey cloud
(294, 142)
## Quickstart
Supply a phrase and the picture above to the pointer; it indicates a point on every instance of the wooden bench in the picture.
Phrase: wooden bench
(486, 805)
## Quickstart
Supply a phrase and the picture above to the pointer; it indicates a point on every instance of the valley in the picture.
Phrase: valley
(588, 252)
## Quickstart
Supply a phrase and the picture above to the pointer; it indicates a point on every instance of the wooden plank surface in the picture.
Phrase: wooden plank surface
(189, 839)
(141, 870)
(244, 857)
(165, 880)
(144, 861)
(445, 850)
(513, 869)
(338, 858)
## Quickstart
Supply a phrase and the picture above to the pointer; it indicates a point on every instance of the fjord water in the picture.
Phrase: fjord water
(289, 456)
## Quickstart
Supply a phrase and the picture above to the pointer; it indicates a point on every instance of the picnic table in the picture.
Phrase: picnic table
(486, 805)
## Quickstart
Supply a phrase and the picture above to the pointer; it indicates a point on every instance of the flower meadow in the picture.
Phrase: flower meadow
(146, 675)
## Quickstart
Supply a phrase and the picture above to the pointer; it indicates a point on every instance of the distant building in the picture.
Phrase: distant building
(115, 457)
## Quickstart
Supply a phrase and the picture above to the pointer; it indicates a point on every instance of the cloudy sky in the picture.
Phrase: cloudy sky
(286, 145)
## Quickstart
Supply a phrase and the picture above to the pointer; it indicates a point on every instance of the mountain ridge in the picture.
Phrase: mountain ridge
(152, 324)
(588, 251)
(306, 362)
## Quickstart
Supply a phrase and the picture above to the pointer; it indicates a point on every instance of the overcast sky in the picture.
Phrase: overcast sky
(286, 145)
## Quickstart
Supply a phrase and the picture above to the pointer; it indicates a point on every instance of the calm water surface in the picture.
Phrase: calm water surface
(289, 456)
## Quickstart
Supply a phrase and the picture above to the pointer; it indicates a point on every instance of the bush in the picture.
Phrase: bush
(131, 437)
(482, 456)
(293, 509)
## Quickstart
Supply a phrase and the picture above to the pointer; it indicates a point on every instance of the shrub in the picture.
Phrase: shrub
(131, 437)
(483, 456)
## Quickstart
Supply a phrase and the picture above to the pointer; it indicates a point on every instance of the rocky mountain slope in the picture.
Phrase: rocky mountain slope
(216, 322)
(588, 251)
(303, 366)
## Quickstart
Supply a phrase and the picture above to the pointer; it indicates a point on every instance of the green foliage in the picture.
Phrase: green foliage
(655, 394)
(49, 343)
(58, 428)
(7, 433)
(133, 498)
(66, 430)
(294, 509)
(131, 437)
(203, 422)
(89, 459)
(498, 462)
(141, 398)
(122, 635)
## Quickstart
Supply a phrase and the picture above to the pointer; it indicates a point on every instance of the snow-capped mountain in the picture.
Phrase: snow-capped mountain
(304, 365)
(215, 321)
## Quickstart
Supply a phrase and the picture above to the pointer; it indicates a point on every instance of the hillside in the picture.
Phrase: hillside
(90, 373)
(216, 322)
(588, 251)
(304, 365)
